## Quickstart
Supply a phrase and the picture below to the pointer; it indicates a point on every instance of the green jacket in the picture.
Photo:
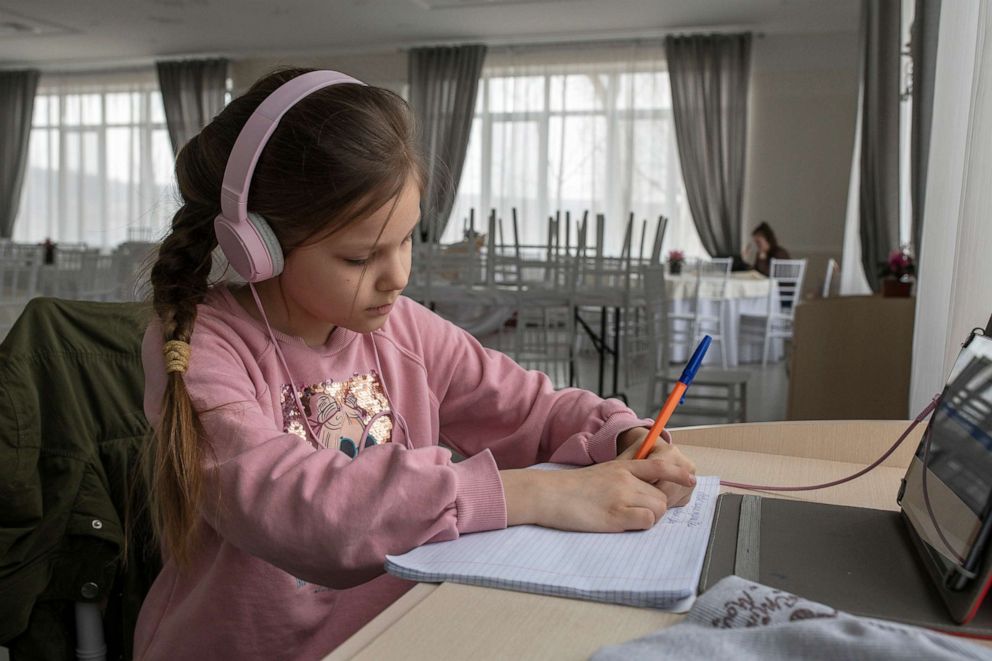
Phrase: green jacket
(71, 428)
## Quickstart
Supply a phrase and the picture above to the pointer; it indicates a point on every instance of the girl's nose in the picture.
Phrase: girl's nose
(395, 273)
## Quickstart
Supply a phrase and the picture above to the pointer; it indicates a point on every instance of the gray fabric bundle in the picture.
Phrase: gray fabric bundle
(739, 619)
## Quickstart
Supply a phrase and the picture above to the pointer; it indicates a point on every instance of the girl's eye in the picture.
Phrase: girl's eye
(357, 262)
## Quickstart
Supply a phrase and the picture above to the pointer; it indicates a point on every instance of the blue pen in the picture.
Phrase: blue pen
(676, 397)
(689, 373)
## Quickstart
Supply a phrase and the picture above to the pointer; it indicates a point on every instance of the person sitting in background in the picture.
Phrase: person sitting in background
(767, 247)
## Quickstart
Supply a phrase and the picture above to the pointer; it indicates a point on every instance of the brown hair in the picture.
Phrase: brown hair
(765, 230)
(337, 155)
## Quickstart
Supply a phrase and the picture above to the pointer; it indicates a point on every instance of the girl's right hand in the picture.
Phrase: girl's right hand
(610, 497)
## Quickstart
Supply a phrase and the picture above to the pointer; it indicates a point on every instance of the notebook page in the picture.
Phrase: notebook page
(658, 567)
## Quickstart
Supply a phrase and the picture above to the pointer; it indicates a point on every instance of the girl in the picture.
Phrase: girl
(297, 422)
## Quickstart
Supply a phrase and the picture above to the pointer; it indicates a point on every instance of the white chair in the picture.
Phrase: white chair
(711, 297)
(659, 238)
(543, 337)
(717, 393)
(828, 280)
(98, 279)
(439, 270)
(787, 285)
(132, 263)
(68, 277)
(633, 325)
(502, 260)
(532, 265)
(706, 314)
(19, 269)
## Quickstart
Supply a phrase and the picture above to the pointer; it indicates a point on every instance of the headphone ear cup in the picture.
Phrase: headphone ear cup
(250, 246)
(269, 240)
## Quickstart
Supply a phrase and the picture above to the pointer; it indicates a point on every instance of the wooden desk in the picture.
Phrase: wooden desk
(435, 621)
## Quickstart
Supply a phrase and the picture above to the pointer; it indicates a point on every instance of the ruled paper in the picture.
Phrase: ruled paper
(659, 568)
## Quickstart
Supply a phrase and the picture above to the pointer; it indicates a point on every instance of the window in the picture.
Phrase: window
(100, 165)
(556, 130)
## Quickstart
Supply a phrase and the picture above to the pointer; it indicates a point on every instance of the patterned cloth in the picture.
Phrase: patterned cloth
(741, 620)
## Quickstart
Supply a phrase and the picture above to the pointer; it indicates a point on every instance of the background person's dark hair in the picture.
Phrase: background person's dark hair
(336, 156)
(765, 230)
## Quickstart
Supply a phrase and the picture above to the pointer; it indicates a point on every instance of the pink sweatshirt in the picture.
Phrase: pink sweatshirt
(293, 539)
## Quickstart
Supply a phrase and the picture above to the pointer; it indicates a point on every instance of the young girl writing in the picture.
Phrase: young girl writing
(298, 418)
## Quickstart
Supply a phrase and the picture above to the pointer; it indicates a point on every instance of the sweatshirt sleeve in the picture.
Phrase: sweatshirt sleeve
(318, 515)
(487, 401)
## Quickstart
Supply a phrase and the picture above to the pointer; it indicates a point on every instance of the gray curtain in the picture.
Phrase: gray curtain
(443, 85)
(192, 93)
(926, 23)
(709, 76)
(879, 194)
(17, 90)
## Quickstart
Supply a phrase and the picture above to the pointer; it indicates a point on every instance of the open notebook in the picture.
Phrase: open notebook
(659, 568)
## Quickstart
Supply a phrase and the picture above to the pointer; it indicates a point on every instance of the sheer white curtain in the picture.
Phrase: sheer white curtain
(99, 164)
(570, 129)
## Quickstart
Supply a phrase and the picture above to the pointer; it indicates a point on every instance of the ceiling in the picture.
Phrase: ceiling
(72, 33)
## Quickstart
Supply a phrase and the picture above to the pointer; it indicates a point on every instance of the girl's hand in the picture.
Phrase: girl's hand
(610, 497)
(630, 441)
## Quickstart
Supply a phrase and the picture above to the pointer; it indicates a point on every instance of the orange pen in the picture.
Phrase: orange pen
(674, 398)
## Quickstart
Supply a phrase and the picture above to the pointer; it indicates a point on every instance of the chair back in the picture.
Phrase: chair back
(656, 311)
(712, 278)
(72, 372)
(544, 337)
(828, 279)
(659, 238)
(787, 275)
(19, 273)
(19, 276)
(133, 266)
(657, 330)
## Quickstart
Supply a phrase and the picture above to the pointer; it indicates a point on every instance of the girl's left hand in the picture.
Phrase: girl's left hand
(628, 444)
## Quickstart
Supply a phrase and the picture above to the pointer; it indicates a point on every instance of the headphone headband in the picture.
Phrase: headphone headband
(248, 147)
(246, 239)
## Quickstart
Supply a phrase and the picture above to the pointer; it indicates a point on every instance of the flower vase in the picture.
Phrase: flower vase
(892, 288)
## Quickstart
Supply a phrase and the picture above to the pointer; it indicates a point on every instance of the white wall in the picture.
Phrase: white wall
(954, 288)
(383, 69)
(804, 94)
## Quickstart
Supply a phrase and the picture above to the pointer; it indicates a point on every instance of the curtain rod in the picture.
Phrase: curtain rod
(595, 39)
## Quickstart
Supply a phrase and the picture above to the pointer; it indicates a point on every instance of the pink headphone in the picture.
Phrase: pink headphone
(246, 238)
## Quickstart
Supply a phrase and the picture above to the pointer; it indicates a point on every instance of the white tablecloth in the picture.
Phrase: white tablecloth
(747, 293)
(745, 284)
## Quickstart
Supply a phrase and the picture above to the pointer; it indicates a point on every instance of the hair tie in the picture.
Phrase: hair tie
(176, 356)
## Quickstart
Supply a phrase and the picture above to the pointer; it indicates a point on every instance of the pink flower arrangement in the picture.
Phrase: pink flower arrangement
(900, 265)
(676, 257)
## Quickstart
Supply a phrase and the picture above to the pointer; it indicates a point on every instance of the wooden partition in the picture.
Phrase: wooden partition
(851, 359)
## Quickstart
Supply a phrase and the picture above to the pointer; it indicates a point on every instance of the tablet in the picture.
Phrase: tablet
(956, 450)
